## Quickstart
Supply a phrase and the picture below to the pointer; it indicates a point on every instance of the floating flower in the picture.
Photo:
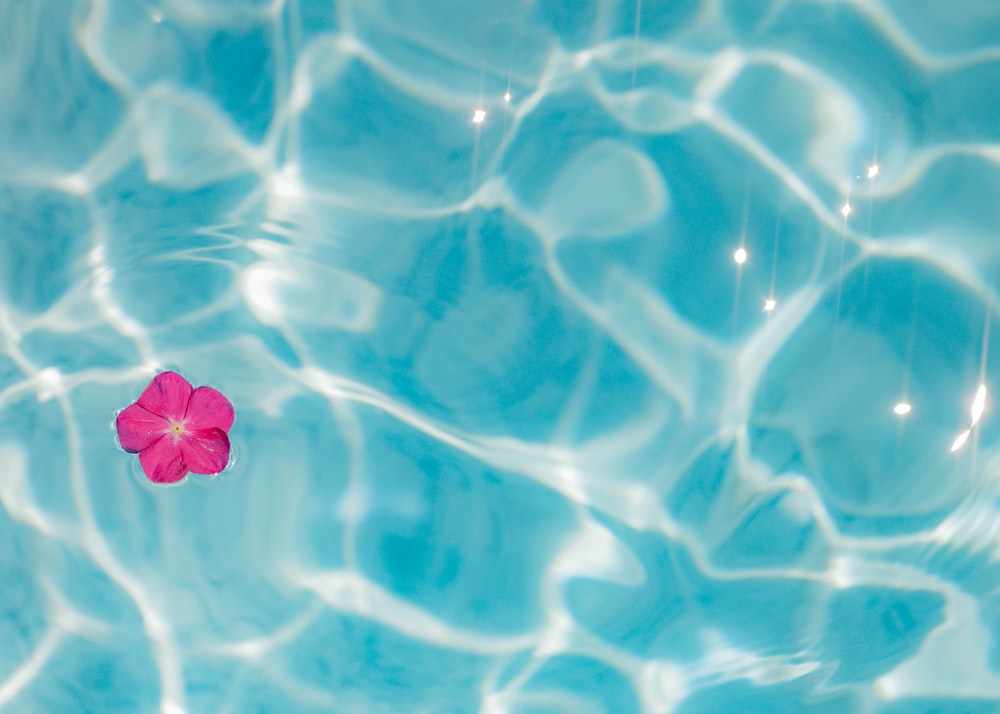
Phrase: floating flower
(176, 429)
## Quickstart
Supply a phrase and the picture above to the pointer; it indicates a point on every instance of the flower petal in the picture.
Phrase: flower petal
(208, 408)
(138, 428)
(162, 461)
(206, 451)
(167, 395)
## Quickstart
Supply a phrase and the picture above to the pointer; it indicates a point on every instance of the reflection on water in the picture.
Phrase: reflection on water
(632, 357)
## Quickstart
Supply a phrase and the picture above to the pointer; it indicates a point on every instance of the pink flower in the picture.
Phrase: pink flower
(176, 429)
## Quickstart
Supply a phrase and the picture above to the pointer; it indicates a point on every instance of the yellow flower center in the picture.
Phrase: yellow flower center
(176, 430)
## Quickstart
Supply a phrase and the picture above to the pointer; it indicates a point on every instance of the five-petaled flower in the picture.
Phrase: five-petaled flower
(176, 429)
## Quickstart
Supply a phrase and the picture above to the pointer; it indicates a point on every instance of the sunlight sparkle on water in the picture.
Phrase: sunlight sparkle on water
(873, 171)
(845, 210)
(902, 409)
(286, 182)
(479, 116)
(74, 184)
(839, 572)
(49, 382)
(740, 256)
(506, 97)
(769, 304)
(978, 404)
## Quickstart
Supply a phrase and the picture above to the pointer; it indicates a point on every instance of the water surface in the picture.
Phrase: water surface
(516, 432)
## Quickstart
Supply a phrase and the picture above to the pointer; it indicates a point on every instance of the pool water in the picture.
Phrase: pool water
(586, 357)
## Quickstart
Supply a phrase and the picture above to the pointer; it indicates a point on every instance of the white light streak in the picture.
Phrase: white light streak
(978, 404)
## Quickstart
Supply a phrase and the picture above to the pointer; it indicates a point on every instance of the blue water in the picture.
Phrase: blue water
(516, 433)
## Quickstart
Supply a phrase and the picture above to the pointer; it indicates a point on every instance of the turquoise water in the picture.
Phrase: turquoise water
(515, 431)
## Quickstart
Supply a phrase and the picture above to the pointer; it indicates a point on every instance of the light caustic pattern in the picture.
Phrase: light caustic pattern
(565, 381)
